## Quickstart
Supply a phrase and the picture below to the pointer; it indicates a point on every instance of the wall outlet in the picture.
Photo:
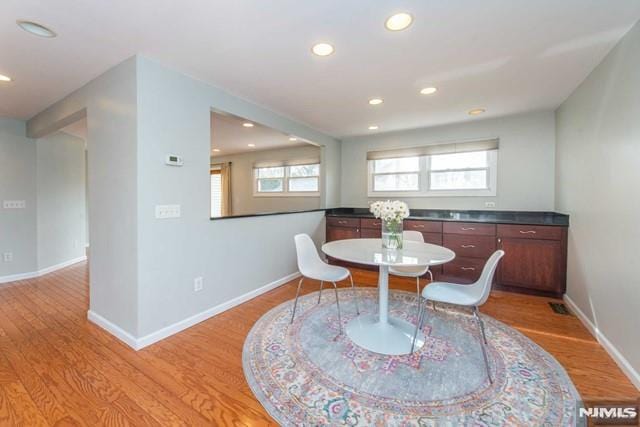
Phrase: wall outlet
(167, 211)
(198, 284)
(14, 204)
(489, 204)
(7, 256)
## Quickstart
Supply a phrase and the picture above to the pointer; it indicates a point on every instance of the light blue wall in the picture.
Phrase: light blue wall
(17, 182)
(61, 199)
(598, 171)
(142, 269)
(234, 256)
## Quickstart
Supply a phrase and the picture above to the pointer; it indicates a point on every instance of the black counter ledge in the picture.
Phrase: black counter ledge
(491, 217)
(266, 214)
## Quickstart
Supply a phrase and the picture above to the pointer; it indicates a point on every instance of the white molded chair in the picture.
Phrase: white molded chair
(473, 295)
(313, 267)
(412, 271)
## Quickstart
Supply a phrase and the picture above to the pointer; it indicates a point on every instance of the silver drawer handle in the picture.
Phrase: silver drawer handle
(467, 268)
(468, 246)
(342, 222)
(467, 228)
(527, 232)
(418, 226)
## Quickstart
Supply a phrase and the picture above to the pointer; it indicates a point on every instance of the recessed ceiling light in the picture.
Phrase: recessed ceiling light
(4, 78)
(398, 22)
(428, 90)
(373, 127)
(251, 145)
(376, 101)
(247, 124)
(476, 111)
(322, 49)
(36, 29)
(216, 150)
(293, 138)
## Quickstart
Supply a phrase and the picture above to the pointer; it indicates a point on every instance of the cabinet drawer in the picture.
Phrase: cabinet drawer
(343, 222)
(371, 223)
(530, 232)
(433, 238)
(470, 245)
(423, 226)
(465, 270)
(370, 233)
(471, 228)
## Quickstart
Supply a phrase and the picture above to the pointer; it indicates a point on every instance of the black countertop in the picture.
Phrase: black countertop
(492, 217)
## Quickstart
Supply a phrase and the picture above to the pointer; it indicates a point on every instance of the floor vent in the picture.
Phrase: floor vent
(559, 308)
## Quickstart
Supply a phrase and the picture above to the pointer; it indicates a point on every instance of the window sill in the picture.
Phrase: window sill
(439, 193)
(278, 195)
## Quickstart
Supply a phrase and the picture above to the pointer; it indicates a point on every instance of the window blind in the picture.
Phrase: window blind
(279, 163)
(427, 150)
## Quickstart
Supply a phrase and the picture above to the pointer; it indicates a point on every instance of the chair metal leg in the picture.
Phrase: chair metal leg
(421, 315)
(355, 296)
(483, 342)
(430, 275)
(335, 288)
(320, 293)
(418, 295)
(433, 305)
(295, 304)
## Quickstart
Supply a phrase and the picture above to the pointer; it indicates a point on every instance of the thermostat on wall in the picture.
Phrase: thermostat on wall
(173, 160)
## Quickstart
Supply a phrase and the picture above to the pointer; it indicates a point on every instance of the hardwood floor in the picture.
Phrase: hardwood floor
(56, 368)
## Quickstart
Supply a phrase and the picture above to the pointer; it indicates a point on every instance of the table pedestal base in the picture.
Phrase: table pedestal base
(393, 337)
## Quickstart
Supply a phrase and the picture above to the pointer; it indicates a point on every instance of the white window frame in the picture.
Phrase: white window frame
(424, 177)
(285, 184)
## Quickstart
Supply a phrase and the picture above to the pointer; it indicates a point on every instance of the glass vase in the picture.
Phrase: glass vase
(392, 234)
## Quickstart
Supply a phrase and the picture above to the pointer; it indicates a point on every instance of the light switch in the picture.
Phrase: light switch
(14, 204)
(167, 211)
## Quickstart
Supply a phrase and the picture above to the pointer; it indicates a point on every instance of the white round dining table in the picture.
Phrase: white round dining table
(380, 332)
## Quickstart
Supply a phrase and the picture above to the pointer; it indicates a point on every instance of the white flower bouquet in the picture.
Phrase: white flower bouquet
(392, 214)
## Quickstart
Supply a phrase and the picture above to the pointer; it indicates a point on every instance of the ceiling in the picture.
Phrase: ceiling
(506, 56)
(230, 137)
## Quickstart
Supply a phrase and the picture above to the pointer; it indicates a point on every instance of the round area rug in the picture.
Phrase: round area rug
(308, 374)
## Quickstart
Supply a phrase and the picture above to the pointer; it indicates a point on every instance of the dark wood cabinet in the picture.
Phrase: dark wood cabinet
(342, 228)
(535, 256)
(535, 259)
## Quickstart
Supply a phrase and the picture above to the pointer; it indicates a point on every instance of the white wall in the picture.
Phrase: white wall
(234, 256)
(110, 104)
(142, 269)
(525, 162)
(61, 199)
(243, 199)
(17, 182)
(598, 172)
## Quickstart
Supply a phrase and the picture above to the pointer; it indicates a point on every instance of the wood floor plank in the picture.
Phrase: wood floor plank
(57, 368)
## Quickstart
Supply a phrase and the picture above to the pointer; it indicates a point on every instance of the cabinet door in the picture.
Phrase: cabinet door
(371, 233)
(533, 264)
(341, 233)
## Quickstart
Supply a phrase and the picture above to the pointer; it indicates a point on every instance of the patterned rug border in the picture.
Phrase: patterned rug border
(277, 415)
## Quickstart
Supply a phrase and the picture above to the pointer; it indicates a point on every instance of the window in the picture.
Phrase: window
(270, 180)
(293, 180)
(216, 194)
(396, 174)
(459, 171)
(452, 174)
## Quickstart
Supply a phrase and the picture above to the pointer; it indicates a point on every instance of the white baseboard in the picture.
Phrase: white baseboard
(113, 329)
(615, 354)
(41, 272)
(147, 340)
